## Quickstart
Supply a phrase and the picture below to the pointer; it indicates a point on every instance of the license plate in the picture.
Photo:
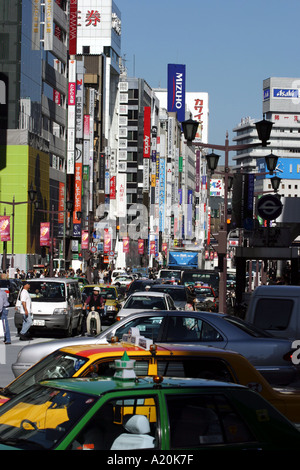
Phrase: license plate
(38, 322)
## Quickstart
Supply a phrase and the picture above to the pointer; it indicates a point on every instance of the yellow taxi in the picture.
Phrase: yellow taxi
(166, 360)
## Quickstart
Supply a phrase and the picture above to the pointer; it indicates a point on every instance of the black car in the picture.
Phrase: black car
(178, 293)
(11, 287)
(139, 285)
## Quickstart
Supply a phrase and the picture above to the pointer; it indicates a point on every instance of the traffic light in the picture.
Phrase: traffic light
(228, 225)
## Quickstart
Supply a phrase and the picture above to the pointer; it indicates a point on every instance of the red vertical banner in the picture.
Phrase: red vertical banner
(84, 240)
(5, 228)
(73, 28)
(77, 192)
(141, 246)
(45, 234)
(152, 247)
(125, 244)
(164, 248)
(147, 132)
(112, 189)
(107, 241)
(61, 202)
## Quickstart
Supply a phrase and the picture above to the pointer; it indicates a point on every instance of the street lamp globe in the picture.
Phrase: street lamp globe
(275, 181)
(264, 128)
(271, 161)
(212, 161)
(189, 128)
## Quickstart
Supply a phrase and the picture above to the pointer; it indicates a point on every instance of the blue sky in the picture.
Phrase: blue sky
(228, 46)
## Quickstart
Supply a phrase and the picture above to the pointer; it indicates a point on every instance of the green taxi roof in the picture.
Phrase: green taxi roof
(100, 386)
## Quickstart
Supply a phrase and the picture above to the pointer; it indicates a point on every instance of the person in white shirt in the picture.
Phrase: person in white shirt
(26, 311)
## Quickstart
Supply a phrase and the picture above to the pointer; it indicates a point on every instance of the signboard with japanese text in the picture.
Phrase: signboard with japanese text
(197, 104)
(176, 90)
(98, 26)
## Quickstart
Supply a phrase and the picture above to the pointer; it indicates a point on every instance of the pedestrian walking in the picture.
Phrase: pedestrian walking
(4, 304)
(26, 312)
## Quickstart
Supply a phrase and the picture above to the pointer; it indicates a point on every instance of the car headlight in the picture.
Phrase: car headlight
(60, 311)
(111, 308)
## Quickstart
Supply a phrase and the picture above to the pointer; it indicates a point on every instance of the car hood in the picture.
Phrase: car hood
(35, 352)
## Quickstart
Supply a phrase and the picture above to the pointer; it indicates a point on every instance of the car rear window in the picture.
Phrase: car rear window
(273, 314)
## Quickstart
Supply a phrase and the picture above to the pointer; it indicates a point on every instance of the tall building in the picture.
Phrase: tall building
(33, 57)
(281, 105)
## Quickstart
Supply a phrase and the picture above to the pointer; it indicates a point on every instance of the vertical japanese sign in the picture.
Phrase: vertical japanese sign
(61, 208)
(45, 234)
(71, 117)
(73, 28)
(189, 228)
(77, 199)
(48, 31)
(176, 90)
(5, 228)
(36, 22)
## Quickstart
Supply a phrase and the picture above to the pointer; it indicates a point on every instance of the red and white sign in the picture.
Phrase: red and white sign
(147, 131)
(45, 234)
(5, 228)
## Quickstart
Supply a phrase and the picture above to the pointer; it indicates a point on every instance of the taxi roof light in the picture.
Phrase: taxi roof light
(124, 368)
(133, 337)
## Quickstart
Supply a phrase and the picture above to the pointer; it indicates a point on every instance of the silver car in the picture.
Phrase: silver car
(271, 356)
(148, 300)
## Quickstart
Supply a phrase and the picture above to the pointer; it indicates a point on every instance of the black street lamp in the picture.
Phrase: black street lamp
(275, 181)
(32, 195)
(271, 161)
(69, 208)
(189, 129)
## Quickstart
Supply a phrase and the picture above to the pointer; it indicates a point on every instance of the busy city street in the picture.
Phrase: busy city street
(149, 227)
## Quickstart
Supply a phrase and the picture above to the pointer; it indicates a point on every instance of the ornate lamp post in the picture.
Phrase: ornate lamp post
(263, 130)
(69, 208)
(13, 203)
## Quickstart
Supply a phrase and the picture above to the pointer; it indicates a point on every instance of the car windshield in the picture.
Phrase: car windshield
(43, 291)
(247, 327)
(40, 417)
(204, 291)
(105, 292)
(145, 302)
(56, 365)
(166, 274)
(176, 294)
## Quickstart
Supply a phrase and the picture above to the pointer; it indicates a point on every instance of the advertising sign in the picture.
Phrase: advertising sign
(45, 234)
(141, 246)
(176, 90)
(84, 240)
(147, 130)
(5, 228)
(125, 244)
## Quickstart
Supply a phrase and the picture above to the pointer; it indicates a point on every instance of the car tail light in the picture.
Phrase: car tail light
(288, 356)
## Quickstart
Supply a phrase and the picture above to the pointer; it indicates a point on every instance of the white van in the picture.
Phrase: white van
(56, 305)
(276, 309)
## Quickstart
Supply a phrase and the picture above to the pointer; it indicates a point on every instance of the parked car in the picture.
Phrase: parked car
(178, 293)
(270, 356)
(56, 305)
(122, 280)
(143, 413)
(140, 301)
(12, 288)
(112, 301)
(169, 360)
